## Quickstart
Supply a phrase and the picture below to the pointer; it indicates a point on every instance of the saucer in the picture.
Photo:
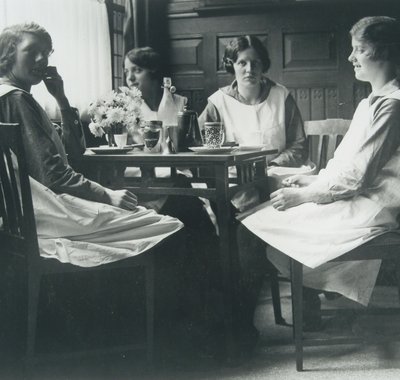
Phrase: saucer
(252, 147)
(207, 150)
(111, 150)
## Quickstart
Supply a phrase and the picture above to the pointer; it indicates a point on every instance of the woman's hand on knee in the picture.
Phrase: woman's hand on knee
(285, 198)
(123, 199)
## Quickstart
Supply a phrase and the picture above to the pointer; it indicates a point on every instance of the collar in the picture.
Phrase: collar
(390, 87)
(8, 87)
(232, 90)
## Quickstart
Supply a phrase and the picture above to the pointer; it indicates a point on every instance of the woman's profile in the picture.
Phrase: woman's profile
(314, 219)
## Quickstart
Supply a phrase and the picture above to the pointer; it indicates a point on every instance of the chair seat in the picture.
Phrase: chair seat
(382, 247)
(49, 265)
(386, 246)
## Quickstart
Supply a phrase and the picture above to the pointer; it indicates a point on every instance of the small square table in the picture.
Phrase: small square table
(212, 169)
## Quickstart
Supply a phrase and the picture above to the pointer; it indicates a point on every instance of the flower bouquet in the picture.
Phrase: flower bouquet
(116, 113)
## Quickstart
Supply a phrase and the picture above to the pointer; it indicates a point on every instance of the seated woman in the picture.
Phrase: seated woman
(255, 110)
(314, 219)
(78, 221)
(143, 70)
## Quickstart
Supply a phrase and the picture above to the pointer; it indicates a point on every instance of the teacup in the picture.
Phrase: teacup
(120, 139)
(213, 134)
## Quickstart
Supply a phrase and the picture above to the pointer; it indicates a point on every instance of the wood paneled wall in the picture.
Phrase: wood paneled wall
(308, 43)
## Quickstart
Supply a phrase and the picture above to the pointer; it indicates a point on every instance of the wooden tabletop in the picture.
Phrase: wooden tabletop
(188, 158)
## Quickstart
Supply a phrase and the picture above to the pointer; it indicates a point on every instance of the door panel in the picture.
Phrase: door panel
(308, 45)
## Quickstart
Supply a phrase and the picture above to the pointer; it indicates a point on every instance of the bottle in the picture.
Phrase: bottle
(167, 112)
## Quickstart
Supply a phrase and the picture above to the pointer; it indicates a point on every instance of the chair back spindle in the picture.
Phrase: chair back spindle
(17, 227)
(324, 136)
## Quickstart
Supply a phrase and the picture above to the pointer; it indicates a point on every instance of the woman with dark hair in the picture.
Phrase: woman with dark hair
(256, 111)
(315, 219)
(254, 105)
(143, 69)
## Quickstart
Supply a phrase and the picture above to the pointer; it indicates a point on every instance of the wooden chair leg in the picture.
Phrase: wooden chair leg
(150, 312)
(297, 310)
(276, 298)
(398, 276)
(33, 303)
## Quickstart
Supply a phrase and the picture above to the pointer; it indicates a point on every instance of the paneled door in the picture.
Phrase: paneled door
(308, 43)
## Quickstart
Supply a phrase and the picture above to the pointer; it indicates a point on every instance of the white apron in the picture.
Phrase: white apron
(85, 233)
(242, 122)
(260, 124)
(316, 233)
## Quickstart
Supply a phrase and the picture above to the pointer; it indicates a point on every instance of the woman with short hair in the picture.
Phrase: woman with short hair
(144, 70)
(78, 221)
(254, 104)
(315, 219)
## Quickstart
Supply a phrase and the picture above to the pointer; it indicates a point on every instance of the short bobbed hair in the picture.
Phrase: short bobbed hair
(11, 36)
(241, 43)
(382, 33)
(146, 58)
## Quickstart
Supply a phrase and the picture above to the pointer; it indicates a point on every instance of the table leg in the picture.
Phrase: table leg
(260, 168)
(225, 225)
(111, 176)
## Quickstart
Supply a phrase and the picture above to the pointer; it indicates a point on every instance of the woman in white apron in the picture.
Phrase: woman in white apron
(258, 112)
(315, 219)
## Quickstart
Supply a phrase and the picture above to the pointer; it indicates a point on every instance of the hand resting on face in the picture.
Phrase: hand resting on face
(55, 86)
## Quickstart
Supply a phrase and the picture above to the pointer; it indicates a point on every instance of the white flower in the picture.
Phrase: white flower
(116, 115)
(96, 129)
(116, 108)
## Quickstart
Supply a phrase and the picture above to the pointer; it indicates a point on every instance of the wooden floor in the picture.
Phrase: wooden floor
(273, 358)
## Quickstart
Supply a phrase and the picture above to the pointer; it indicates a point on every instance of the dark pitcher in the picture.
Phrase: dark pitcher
(187, 133)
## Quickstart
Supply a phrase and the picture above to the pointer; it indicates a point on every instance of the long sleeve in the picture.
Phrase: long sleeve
(210, 113)
(46, 157)
(370, 156)
(72, 133)
(296, 151)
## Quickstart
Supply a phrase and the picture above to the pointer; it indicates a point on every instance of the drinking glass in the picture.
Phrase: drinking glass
(213, 134)
(152, 134)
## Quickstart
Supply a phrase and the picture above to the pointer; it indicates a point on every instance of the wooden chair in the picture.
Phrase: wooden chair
(326, 134)
(323, 137)
(18, 240)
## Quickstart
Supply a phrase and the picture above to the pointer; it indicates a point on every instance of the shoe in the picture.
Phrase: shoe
(312, 319)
